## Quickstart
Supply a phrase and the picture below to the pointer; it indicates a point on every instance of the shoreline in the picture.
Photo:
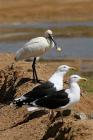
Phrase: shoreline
(21, 31)
(83, 65)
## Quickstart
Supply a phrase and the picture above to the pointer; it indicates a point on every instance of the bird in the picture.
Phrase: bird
(35, 48)
(61, 99)
(54, 83)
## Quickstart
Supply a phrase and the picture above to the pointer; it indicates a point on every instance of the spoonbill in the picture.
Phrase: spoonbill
(35, 48)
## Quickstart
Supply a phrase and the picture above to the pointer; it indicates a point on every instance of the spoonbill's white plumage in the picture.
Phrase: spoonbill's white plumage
(55, 83)
(35, 48)
(62, 99)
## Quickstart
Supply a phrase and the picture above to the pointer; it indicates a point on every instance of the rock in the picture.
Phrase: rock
(80, 115)
(66, 112)
(90, 116)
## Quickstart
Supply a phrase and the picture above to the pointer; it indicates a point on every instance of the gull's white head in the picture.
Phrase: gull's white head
(76, 78)
(65, 68)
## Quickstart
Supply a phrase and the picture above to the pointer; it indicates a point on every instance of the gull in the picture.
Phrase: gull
(35, 48)
(54, 84)
(61, 99)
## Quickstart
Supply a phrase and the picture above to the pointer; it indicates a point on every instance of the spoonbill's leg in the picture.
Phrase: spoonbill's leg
(35, 77)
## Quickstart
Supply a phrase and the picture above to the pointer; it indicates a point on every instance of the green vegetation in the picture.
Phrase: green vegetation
(88, 86)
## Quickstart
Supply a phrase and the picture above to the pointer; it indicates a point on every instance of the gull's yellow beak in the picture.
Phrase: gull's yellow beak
(83, 79)
(73, 68)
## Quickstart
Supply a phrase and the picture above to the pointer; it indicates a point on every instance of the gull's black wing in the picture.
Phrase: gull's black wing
(40, 91)
(56, 100)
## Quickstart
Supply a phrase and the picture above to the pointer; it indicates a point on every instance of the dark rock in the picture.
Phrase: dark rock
(80, 115)
(66, 112)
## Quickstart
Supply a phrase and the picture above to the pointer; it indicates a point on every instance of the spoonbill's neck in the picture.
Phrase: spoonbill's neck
(50, 41)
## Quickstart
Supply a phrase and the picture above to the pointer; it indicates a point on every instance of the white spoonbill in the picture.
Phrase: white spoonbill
(35, 48)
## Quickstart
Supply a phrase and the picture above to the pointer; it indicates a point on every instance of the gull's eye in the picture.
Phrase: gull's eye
(75, 77)
(64, 67)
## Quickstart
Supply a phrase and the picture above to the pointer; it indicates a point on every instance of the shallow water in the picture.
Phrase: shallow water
(77, 47)
(71, 48)
(45, 25)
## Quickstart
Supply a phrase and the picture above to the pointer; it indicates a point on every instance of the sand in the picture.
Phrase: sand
(45, 10)
(16, 124)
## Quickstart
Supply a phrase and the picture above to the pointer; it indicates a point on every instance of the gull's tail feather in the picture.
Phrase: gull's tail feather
(30, 109)
(19, 102)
